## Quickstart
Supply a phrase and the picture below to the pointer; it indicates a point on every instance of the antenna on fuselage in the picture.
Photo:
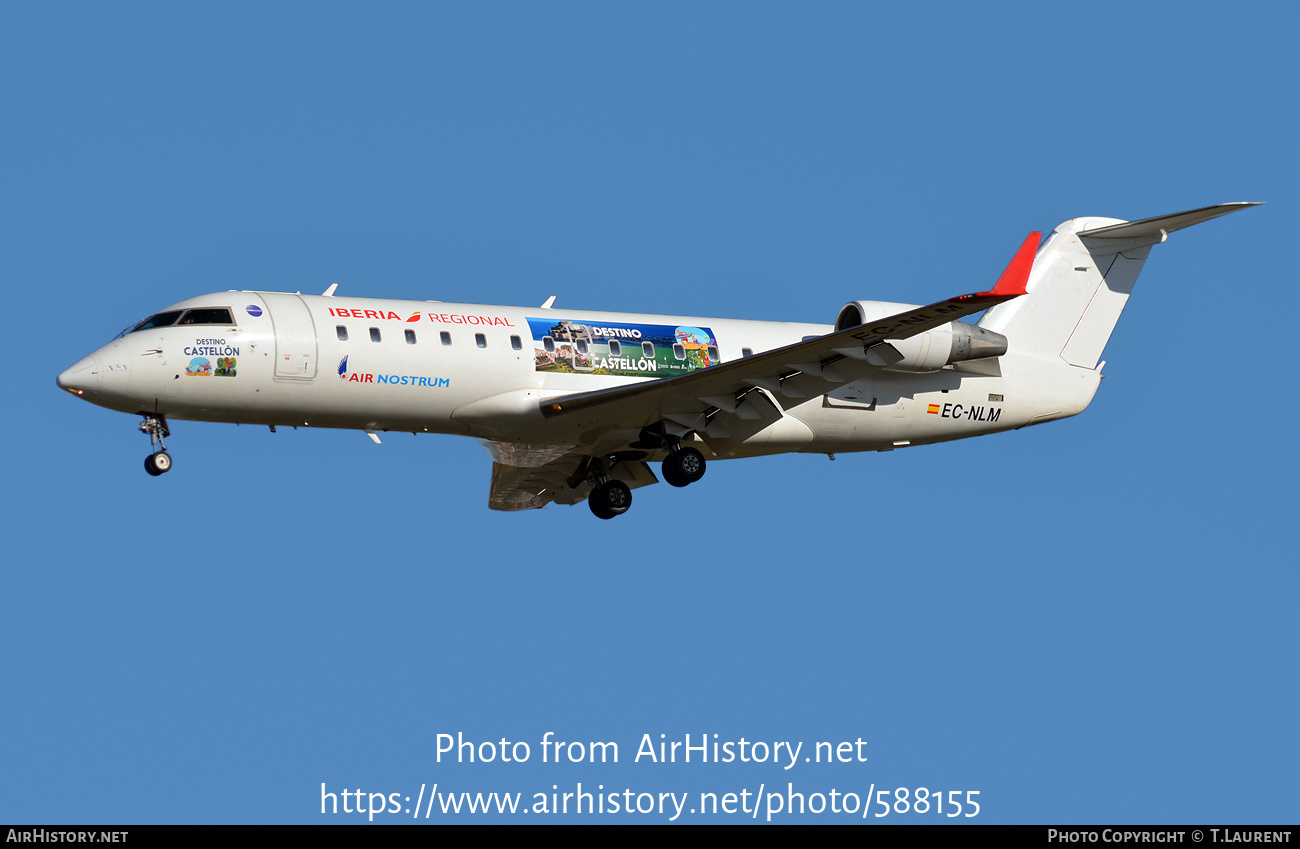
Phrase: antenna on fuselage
(329, 293)
(549, 302)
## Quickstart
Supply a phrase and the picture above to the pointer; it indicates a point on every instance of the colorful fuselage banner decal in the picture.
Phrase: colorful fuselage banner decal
(632, 350)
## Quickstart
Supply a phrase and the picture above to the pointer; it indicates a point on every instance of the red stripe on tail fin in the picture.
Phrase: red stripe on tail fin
(1013, 280)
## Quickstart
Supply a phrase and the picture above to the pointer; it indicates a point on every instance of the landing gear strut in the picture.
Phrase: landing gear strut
(159, 461)
(683, 466)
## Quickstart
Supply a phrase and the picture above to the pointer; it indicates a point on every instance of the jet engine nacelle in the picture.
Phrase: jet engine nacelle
(950, 343)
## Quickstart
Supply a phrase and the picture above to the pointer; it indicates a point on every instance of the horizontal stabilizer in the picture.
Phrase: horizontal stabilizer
(1156, 228)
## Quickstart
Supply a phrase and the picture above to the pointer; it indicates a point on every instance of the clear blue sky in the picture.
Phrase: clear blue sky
(1088, 621)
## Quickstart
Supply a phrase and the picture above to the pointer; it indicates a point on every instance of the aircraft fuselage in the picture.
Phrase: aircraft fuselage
(482, 371)
(575, 404)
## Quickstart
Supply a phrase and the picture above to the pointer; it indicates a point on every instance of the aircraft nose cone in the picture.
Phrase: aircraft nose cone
(81, 377)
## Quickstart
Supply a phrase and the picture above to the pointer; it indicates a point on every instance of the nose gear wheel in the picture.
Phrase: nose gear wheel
(159, 462)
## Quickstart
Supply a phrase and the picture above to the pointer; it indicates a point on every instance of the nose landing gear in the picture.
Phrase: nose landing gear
(159, 461)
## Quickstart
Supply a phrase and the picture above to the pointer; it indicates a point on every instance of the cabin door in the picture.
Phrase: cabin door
(295, 337)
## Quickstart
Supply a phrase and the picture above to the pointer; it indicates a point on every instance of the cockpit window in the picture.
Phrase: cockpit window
(162, 319)
(207, 315)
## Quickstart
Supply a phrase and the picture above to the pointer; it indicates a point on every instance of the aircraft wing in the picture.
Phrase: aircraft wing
(721, 402)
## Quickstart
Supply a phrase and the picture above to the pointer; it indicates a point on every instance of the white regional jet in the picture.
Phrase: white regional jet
(575, 405)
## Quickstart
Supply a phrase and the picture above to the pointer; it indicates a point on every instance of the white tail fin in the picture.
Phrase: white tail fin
(1081, 279)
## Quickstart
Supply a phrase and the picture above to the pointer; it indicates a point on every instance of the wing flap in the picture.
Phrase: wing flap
(529, 477)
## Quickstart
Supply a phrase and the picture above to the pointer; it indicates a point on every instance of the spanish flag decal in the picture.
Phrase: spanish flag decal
(934, 409)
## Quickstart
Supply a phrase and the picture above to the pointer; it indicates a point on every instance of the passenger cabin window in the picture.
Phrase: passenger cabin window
(516, 343)
(162, 319)
(342, 332)
(445, 337)
(747, 352)
(210, 315)
(615, 348)
(714, 356)
(374, 334)
(679, 351)
(582, 346)
(549, 344)
(410, 337)
(648, 350)
(480, 340)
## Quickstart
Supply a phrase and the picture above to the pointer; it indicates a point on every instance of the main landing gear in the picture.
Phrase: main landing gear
(159, 461)
(683, 467)
(610, 498)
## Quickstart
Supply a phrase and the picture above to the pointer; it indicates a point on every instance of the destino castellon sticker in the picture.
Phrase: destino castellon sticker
(630, 350)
